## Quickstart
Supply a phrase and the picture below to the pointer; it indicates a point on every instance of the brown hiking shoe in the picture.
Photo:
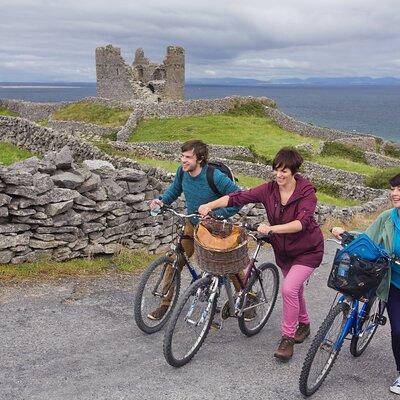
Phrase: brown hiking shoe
(285, 348)
(302, 332)
(158, 313)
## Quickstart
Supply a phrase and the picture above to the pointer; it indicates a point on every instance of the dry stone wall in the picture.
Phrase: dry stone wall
(30, 110)
(57, 208)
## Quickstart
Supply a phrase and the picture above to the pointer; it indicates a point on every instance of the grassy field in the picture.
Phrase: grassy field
(126, 261)
(94, 114)
(264, 136)
(10, 154)
(6, 112)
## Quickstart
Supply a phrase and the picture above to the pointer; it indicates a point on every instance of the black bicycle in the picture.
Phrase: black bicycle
(152, 288)
(252, 306)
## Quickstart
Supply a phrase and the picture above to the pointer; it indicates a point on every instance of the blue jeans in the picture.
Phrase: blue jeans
(393, 309)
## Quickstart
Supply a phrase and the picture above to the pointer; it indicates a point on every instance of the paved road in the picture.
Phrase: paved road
(76, 339)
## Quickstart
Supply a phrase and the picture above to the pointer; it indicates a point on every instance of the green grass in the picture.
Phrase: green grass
(345, 164)
(260, 134)
(381, 179)
(125, 261)
(8, 113)
(342, 150)
(10, 154)
(42, 122)
(265, 136)
(336, 201)
(94, 114)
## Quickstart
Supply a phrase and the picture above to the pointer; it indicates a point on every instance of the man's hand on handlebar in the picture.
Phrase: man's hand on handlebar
(155, 203)
(204, 210)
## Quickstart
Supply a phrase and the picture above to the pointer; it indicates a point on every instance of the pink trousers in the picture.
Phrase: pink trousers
(294, 304)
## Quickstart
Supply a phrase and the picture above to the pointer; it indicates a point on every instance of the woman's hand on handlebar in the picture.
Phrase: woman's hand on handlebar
(337, 231)
(264, 229)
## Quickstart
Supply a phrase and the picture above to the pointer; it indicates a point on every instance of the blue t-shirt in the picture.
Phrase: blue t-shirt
(197, 191)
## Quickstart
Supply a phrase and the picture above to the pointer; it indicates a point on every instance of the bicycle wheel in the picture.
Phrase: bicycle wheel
(149, 293)
(323, 352)
(189, 323)
(369, 326)
(261, 292)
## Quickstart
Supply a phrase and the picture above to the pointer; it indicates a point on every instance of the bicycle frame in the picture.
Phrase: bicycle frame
(354, 319)
(222, 281)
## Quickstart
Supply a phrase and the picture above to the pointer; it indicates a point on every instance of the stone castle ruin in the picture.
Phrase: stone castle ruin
(143, 80)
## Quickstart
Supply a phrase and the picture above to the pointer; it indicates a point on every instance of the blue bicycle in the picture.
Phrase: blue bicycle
(347, 316)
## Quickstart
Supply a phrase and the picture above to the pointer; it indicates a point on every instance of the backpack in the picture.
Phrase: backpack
(210, 175)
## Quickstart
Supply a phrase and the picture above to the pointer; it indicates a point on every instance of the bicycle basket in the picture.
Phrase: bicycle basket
(362, 246)
(361, 277)
(220, 247)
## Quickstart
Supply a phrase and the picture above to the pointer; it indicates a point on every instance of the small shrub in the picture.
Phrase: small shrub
(327, 188)
(252, 108)
(260, 158)
(8, 113)
(380, 180)
(392, 151)
(342, 150)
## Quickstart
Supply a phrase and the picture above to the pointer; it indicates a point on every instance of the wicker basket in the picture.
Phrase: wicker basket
(222, 262)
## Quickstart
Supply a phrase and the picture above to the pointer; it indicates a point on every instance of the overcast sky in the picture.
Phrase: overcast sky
(45, 40)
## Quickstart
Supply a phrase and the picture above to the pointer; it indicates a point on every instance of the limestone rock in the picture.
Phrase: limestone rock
(53, 209)
(57, 195)
(113, 190)
(130, 175)
(70, 218)
(4, 199)
(7, 241)
(68, 180)
(90, 184)
(13, 228)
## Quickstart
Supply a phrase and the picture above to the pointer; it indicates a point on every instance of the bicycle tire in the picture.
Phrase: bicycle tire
(144, 290)
(359, 344)
(172, 336)
(270, 273)
(339, 310)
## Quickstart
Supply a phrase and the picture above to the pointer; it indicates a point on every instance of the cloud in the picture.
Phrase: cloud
(253, 38)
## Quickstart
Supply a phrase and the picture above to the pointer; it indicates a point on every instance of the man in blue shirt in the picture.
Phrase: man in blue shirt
(193, 183)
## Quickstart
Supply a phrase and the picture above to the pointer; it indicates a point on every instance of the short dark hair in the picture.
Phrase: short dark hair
(395, 181)
(288, 157)
(200, 149)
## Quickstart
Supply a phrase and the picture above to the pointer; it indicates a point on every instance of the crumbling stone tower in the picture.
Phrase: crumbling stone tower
(143, 80)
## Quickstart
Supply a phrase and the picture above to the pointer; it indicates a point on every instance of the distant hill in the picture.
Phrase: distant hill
(316, 81)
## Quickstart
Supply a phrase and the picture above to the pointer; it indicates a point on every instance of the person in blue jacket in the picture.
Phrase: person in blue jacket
(194, 184)
(385, 231)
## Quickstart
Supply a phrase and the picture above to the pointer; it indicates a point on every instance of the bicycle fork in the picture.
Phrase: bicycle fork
(213, 288)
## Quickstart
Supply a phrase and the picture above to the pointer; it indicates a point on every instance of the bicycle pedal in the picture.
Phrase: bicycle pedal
(381, 320)
(216, 326)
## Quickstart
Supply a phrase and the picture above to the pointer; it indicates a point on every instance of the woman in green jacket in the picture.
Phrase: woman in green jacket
(385, 231)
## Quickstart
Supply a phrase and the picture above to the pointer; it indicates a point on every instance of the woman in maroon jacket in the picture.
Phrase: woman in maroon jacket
(296, 238)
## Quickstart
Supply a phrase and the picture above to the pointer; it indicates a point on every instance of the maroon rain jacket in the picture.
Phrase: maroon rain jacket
(305, 247)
